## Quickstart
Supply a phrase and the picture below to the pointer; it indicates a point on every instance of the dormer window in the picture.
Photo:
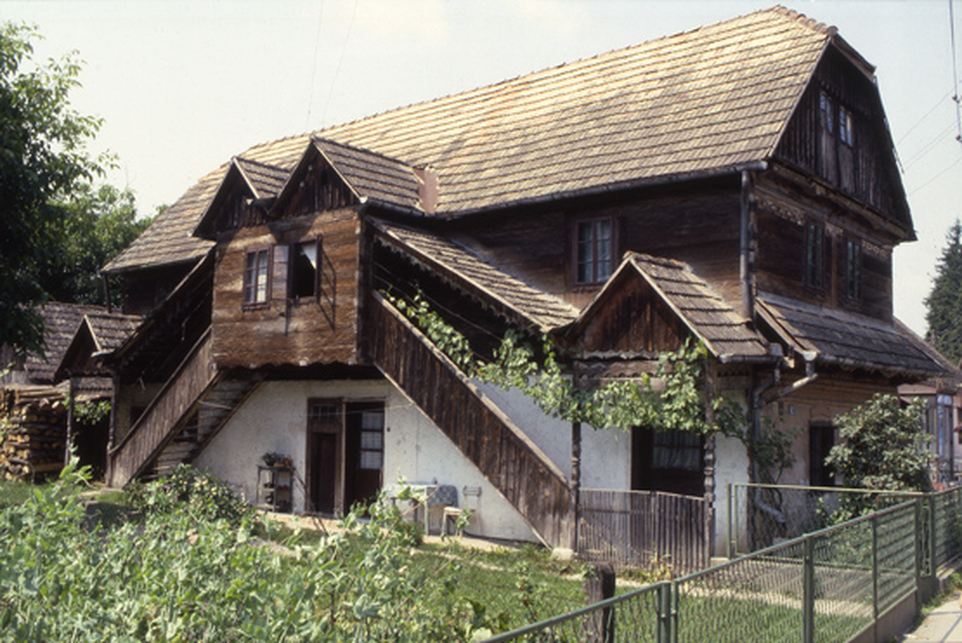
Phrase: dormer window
(594, 250)
(255, 277)
(846, 127)
(303, 278)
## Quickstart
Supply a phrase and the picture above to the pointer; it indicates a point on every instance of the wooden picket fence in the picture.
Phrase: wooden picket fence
(649, 529)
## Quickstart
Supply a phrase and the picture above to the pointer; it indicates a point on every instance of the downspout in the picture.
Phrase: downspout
(764, 394)
(746, 246)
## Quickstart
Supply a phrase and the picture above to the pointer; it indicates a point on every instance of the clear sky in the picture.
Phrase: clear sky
(184, 85)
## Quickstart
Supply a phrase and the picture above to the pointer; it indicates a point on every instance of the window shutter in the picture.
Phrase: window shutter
(280, 272)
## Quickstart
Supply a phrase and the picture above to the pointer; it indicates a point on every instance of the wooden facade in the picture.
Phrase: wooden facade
(286, 328)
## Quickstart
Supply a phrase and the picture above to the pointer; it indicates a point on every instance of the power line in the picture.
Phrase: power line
(317, 46)
(955, 76)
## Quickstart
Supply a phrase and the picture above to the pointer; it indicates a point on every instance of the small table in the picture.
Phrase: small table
(435, 495)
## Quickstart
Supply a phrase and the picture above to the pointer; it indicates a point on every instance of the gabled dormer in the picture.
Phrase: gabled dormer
(242, 199)
(333, 175)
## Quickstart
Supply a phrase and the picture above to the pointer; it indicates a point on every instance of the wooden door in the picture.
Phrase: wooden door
(364, 456)
(323, 483)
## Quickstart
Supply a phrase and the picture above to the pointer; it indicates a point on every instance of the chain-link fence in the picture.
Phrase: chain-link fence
(835, 584)
(762, 515)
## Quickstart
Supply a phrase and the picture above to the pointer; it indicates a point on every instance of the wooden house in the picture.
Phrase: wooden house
(736, 184)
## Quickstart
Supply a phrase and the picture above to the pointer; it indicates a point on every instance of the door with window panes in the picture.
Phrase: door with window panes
(365, 452)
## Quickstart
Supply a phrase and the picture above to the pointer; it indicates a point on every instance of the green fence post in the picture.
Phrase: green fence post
(664, 613)
(875, 573)
(808, 598)
(918, 556)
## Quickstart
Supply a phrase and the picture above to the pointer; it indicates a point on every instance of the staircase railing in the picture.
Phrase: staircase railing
(485, 435)
(159, 422)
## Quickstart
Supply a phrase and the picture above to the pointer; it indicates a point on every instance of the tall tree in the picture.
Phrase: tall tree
(43, 157)
(944, 303)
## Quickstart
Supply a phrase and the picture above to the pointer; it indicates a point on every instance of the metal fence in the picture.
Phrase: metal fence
(644, 529)
(845, 582)
(762, 515)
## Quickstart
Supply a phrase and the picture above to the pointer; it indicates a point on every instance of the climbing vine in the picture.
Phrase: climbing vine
(668, 399)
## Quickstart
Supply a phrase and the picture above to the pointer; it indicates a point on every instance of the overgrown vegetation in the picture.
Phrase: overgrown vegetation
(195, 563)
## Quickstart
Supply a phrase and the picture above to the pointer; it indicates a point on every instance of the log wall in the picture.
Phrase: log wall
(283, 330)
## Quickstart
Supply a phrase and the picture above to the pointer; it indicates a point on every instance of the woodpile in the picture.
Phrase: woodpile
(33, 427)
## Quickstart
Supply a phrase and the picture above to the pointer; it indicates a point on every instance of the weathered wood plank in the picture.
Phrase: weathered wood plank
(510, 461)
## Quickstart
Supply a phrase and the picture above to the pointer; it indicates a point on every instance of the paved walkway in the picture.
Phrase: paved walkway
(943, 624)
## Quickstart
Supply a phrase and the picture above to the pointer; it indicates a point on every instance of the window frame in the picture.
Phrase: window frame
(252, 277)
(292, 267)
(852, 269)
(814, 255)
(594, 263)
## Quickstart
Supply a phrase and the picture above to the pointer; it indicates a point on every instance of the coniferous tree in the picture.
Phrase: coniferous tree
(944, 303)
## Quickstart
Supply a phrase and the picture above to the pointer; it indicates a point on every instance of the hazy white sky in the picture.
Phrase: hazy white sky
(184, 85)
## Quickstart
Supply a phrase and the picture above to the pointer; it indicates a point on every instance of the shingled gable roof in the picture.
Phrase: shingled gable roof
(60, 320)
(370, 176)
(469, 271)
(99, 333)
(707, 316)
(262, 181)
(707, 101)
(835, 337)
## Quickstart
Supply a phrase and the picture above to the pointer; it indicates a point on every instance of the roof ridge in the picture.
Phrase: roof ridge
(245, 159)
(365, 150)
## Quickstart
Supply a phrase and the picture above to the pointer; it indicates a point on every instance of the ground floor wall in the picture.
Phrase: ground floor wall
(415, 451)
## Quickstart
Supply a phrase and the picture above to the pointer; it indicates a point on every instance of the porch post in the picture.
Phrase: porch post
(575, 483)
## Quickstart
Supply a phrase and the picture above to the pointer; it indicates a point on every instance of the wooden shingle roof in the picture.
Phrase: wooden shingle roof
(839, 338)
(60, 322)
(470, 271)
(373, 176)
(707, 316)
(705, 101)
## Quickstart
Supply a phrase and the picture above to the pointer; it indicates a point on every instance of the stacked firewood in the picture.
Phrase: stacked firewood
(33, 426)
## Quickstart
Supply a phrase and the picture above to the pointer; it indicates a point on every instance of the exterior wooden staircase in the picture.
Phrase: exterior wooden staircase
(483, 433)
(190, 409)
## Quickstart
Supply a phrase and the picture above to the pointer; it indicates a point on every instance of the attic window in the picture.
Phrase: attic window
(255, 277)
(846, 127)
(594, 250)
(303, 279)
(826, 112)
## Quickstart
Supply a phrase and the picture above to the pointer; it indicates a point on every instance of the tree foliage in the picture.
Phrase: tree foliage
(944, 303)
(99, 223)
(883, 446)
(43, 157)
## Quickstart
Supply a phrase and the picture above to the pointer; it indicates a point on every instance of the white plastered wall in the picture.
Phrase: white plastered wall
(274, 418)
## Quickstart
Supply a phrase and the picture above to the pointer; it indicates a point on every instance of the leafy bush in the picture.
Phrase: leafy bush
(187, 489)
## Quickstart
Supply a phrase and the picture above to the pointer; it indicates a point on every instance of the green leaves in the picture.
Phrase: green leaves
(883, 446)
(670, 398)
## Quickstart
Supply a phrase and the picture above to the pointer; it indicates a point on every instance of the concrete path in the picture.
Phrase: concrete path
(943, 624)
